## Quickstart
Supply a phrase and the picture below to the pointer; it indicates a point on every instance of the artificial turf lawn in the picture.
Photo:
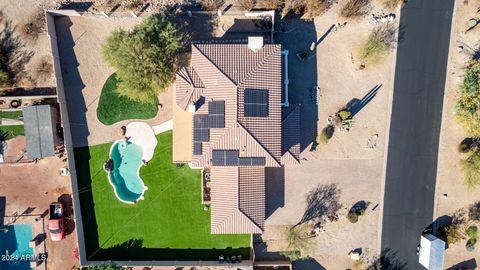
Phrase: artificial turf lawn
(113, 108)
(11, 114)
(171, 216)
(10, 132)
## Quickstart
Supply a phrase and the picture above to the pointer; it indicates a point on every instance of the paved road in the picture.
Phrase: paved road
(415, 126)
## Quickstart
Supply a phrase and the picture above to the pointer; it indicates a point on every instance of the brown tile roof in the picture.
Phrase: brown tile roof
(232, 210)
(223, 72)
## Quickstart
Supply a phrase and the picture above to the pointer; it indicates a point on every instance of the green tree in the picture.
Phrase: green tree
(471, 167)
(144, 58)
(468, 104)
(452, 233)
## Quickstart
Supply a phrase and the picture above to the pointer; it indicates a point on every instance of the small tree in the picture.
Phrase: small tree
(472, 232)
(471, 167)
(452, 233)
(143, 58)
(355, 8)
(380, 41)
(474, 211)
(299, 242)
(468, 104)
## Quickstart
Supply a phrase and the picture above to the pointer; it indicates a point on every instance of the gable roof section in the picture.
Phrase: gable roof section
(291, 135)
(227, 216)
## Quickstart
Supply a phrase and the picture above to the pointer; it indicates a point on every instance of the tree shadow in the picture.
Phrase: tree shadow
(388, 260)
(307, 263)
(260, 248)
(66, 200)
(12, 49)
(323, 201)
(3, 204)
(274, 190)
(356, 105)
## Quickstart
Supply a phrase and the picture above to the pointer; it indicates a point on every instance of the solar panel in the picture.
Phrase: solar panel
(258, 161)
(218, 158)
(231, 157)
(255, 103)
(197, 148)
(201, 134)
(216, 107)
(244, 161)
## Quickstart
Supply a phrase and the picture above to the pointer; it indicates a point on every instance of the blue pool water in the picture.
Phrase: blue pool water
(127, 159)
(14, 249)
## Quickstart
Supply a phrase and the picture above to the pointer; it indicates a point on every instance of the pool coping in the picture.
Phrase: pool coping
(138, 175)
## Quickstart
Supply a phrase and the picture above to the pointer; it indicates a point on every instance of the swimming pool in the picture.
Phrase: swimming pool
(14, 248)
(125, 176)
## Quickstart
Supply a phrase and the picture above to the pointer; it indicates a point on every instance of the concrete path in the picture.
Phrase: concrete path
(10, 122)
(166, 126)
(415, 126)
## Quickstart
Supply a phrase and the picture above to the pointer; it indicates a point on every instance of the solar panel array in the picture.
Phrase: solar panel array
(255, 103)
(202, 123)
(231, 158)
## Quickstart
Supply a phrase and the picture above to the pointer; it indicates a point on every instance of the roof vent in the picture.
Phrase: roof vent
(255, 43)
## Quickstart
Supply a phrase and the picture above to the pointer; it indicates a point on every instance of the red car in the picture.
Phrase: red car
(56, 224)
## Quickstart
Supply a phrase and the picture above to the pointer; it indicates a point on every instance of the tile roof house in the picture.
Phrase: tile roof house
(234, 95)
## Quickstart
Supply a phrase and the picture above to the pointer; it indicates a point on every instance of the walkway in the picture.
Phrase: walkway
(415, 126)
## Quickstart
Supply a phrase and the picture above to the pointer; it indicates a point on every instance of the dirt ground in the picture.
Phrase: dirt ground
(449, 175)
(29, 189)
(19, 14)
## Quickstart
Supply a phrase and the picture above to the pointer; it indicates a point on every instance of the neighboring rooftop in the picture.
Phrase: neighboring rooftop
(39, 131)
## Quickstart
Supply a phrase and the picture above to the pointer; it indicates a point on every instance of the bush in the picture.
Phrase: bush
(4, 79)
(344, 115)
(326, 134)
(352, 217)
(467, 144)
(392, 4)
(471, 232)
(355, 8)
(271, 4)
(310, 8)
(474, 211)
(299, 243)
(143, 58)
(468, 104)
(452, 233)
(210, 5)
(247, 4)
(380, 41)
(470, 246)
(471, 167)
(44, 70)
(34, 26)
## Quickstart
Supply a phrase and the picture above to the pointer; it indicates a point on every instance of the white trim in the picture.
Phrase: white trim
(138, 175)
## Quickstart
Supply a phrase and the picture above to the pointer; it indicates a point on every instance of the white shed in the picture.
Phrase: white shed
(432, 252)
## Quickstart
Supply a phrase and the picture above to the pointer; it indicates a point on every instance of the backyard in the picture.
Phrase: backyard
(169, 224)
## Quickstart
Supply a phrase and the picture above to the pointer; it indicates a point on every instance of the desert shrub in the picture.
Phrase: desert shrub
(344, 115)
(452, 233)
(474, 211)
(470, 246)
(210, 5)
(299, 243)
(472, 232)
(132, 4)
(143, 58)
(380, 41)
(468, 104)
(355, 8)
(34, 26)
(271, 4)
(247, 4)
(471, 167)
(310, 8)
(352, 217)
(44, 70)
(392, 4)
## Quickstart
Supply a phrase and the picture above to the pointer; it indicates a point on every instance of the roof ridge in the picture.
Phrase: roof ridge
(260, 64)
(256, 141)
(213, 64)
(182, 74)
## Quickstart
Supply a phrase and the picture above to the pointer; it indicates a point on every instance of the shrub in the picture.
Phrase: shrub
(44, 70)
(352, 217)
(271, 4)
(4, 79)
(355, 8)
(452, 233)
(470, 246)
(392, 4)
(325, 135)
(471, 167)
(380, 41)
(247, 4)
(210, 5)
(34, 26)
(471, 232)
(299, 243)
(110, 266)
(310, 8)
(468, 104)
(474, 211)
(344, 115)
(143, 58)
(466, 145)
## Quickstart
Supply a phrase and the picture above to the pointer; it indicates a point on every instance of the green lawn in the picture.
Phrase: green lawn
(9, 132)
(113, 108)
(11, 114)
(170, 224)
